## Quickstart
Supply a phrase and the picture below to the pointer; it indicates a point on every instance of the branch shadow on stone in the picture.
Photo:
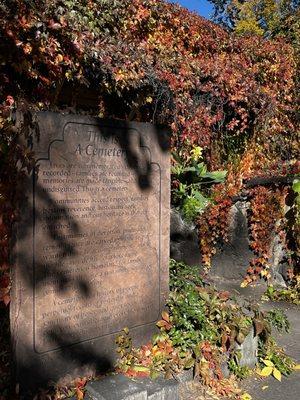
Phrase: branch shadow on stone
(35, 274)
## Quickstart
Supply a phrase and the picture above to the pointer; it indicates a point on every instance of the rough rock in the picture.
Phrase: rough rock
(119, 387)
(248, 350)
(232, 259)
(184, 243)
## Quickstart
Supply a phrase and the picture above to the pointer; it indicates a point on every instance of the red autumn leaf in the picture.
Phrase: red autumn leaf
(224, 295)
(80, 383)
(164, 324)
(54, 25)
(6, 299)
(9, 100)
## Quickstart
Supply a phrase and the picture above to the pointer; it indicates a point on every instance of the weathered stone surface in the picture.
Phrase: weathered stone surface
(278, 266)
(248, 350)
(247, 354)
(91, 250)
(232, 261)
(171, 390)
(119, 387)
(184, 243)
(233, 258)
(160, 388)
(186, 375)
(116, 387)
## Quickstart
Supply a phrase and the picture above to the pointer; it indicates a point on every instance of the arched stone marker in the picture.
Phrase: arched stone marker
(92, 246)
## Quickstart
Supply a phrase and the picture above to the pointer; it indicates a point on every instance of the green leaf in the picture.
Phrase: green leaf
(197, 351)
(216, 176)
(201, 170)
(296, 186)
(190, 169)
(176, 157)
(277, 374)
(140, 368)
(182, 188)
(199, 196)
(177, 170)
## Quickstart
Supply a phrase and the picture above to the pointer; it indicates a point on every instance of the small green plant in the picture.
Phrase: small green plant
(269, 369)
(269, 293)
(240, 371)
(273, 357)
(191, 182)
(200, 330)
(182, 274)
(291, 294)
(200, 313)
(187, 307)
(278, 320)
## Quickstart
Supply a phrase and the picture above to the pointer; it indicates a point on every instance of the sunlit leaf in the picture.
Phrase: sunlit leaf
(246, 396)
(126, 330)
(165, 316)
(266, 371)
(277, 374)
(140, 368)
(296, 186)
(268, 363)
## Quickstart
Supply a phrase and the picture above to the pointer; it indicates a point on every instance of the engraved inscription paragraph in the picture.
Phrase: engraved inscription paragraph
(96, 240)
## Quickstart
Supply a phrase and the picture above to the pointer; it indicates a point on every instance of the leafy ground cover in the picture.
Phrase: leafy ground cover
(200, 331)
(290, 294)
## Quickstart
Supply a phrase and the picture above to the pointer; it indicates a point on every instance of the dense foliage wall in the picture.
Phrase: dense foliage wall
(157, 62)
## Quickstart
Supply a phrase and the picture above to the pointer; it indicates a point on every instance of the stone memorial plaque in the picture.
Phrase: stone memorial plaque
(91, 249)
